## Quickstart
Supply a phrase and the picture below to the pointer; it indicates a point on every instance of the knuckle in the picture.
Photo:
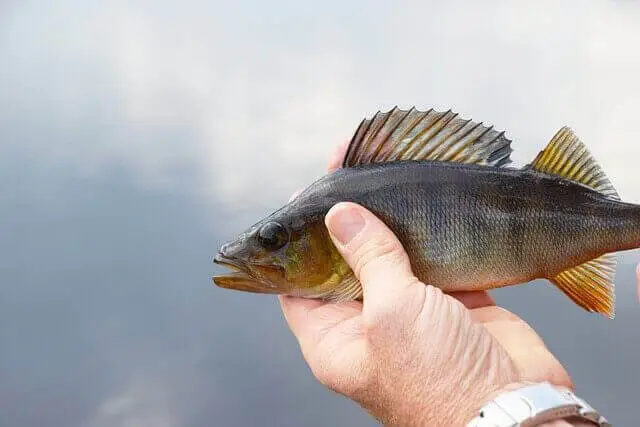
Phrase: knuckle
(549, 369)
(556, 374)
(563, 378)
(372, 321)
(505, 315)
(324, 374)
(326, 379)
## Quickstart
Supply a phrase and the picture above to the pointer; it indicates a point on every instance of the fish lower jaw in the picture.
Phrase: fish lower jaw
(239, 281)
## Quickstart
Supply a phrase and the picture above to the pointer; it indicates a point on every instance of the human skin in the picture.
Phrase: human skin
(410, 354)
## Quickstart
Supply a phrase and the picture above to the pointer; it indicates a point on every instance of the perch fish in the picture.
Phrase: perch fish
(467, 220)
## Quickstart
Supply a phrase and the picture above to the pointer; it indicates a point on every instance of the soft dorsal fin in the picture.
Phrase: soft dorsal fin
(590, 285)
(426, 135)
(568, 157)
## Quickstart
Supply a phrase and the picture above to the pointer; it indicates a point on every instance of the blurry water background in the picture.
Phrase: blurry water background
(136, 136)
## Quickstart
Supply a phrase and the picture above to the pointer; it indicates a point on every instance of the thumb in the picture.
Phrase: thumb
(373, 252)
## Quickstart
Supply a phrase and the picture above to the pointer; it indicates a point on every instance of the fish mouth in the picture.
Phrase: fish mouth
(231, 263)
(239, 271)
(240, 279)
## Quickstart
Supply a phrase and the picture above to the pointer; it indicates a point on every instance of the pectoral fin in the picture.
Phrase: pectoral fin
(348, 289)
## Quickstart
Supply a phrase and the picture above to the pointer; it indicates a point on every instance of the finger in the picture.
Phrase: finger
(310, 319)
(526, 348)
(492, 315)
(474, 299)
(532, 358)
(295, 308)
(373, 252)
(296, 313)
(335, 161)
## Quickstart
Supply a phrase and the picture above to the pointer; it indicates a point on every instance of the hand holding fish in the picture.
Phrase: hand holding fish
(410, 354)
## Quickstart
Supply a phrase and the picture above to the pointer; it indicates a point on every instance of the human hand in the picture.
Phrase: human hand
(410, 354)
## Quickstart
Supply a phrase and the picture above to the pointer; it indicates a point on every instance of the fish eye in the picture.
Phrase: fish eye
(273, 236)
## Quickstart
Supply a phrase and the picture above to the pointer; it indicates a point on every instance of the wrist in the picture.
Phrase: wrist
(540, 404)
(474, 409)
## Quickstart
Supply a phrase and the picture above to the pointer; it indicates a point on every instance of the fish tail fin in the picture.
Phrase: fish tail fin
(590, 285)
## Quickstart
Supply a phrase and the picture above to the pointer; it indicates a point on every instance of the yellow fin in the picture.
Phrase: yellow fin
(566, 156)
(590, 285)
(426, 135)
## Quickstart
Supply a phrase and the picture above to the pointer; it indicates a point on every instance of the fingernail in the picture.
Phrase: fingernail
(345, 223)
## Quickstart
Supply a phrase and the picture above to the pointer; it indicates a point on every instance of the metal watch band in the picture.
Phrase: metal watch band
(533, 405)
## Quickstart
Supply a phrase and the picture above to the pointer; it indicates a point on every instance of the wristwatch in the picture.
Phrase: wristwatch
(534, 405)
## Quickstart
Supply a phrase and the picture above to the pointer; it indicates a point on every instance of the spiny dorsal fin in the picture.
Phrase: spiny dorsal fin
(426, 135)
(590, 285)
(568, 157)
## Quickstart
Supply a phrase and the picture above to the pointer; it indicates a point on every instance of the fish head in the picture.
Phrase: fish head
(288, 253)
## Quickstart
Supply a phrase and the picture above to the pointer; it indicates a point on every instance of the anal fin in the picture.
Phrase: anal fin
(590, 285)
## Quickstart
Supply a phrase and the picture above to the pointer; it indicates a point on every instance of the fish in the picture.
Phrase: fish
(468, 219)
